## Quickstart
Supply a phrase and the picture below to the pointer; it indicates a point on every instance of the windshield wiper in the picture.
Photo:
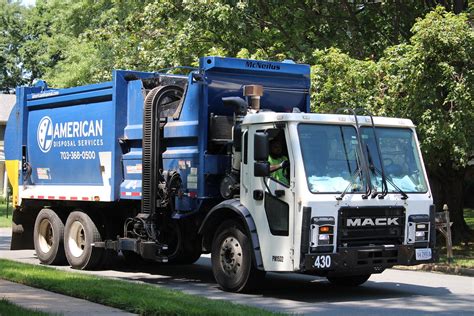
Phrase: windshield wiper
(379, 152)
(354, 176)
(382, 175)
(368, 188)
(404, 195)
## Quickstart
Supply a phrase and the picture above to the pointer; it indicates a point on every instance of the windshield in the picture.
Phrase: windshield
(330, 156)
(332, 164)
(400, 159)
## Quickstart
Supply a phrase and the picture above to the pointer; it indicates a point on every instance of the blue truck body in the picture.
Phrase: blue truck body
(85, 143)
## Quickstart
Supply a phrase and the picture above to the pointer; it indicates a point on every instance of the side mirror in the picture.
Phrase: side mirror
(261, 147)
(261, 168)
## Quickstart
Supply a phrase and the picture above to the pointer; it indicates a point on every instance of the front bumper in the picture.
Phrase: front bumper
(361, 260)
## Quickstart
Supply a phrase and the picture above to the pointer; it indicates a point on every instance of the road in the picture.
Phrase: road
(390, 293)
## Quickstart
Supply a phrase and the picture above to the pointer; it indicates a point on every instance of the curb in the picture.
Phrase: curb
(439, 268)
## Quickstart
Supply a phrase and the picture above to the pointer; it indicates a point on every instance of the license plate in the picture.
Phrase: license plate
(423, 254)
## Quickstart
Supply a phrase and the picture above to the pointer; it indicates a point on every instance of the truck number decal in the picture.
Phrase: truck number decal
(322, 262)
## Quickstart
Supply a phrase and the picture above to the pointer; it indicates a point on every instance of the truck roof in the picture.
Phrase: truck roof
(269, 117)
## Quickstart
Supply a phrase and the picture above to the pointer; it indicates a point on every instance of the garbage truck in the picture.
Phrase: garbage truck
(226, 159)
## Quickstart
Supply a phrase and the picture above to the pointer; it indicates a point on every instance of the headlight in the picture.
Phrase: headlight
(418, 229)
(322, 234)
(325, 237)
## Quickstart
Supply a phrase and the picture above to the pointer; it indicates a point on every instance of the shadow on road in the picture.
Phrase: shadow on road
(198, 279)
(302, 288)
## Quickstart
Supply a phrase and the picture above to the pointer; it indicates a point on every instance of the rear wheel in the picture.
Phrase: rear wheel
(232, 263)
(49, 237)
(80, 234)
(354, 280)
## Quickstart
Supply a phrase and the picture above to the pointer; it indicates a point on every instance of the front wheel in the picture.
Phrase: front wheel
(231, 258)
(353, 280)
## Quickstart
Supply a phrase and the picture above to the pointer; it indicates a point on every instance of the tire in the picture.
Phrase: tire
(80, 233)
(48, 237)
(191, 244)
(231, 257)
(349, 281)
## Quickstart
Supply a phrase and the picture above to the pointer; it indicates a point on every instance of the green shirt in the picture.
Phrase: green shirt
(278, 174)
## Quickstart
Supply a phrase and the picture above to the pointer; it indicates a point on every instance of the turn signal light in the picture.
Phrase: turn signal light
(324, 229)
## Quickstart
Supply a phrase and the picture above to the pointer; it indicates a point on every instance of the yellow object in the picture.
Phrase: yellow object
(12, 172)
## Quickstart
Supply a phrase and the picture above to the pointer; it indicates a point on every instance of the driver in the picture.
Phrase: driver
(278, 161)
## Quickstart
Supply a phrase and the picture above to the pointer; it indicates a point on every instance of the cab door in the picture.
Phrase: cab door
(272, 204)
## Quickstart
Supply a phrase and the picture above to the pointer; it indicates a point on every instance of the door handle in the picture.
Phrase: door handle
(279, 193)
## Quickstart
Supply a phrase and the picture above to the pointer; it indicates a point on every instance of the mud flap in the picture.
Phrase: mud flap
(23, 223)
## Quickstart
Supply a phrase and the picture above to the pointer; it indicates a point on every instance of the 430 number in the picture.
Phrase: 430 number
(322, 262)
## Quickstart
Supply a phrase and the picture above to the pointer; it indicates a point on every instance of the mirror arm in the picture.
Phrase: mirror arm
(264, 179)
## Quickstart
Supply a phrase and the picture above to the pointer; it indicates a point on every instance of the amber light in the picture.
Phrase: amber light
(324, 229)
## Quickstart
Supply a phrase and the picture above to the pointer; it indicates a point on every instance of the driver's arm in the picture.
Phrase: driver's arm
(278, 166)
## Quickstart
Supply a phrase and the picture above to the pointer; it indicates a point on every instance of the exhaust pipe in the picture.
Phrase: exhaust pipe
(254, 92)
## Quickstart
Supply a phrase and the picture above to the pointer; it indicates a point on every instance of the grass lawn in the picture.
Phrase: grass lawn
(463, 254)
(7, 308)
(133, 297)
(4, 221)
(469, 217)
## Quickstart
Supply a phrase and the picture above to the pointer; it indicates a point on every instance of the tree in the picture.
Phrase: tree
(341, 81)
(430, 80)
(149, 35)
(11, 36)
(456, 6)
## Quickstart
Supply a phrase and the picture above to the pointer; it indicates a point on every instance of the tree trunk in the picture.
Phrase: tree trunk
(396, 23)
(459, 6)
(447, 188)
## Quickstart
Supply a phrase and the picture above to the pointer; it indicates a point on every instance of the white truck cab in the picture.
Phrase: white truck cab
(355, 200)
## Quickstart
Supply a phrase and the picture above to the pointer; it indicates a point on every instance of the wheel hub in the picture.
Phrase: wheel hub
(77, 239)
(45, 237)
(231, 255)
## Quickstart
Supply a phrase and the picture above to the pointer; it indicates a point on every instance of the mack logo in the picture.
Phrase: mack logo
(50, 134)
(260, 65)
(381, 221)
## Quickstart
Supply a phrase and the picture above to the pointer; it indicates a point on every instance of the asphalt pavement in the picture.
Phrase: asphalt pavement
(393, 292)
